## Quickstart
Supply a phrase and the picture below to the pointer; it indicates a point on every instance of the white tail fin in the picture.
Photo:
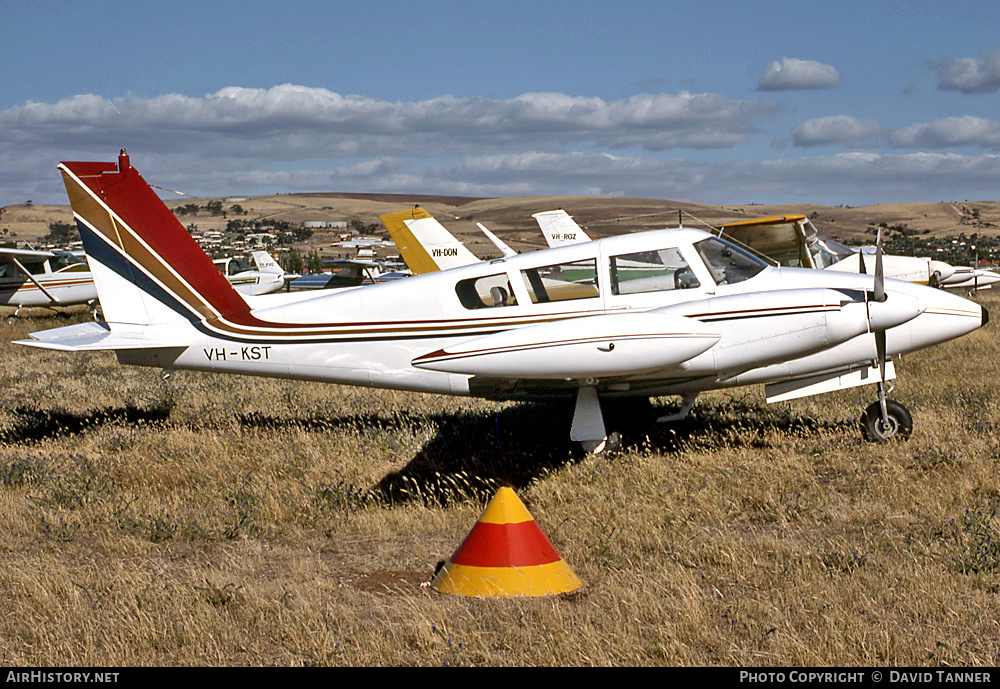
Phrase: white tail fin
(266, 264)
(559, 228)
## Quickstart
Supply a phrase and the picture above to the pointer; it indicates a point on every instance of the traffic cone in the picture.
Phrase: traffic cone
(505, 554)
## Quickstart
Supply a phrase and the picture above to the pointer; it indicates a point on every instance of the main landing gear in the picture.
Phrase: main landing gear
(883, 420)
(588, 424)
(589, 429)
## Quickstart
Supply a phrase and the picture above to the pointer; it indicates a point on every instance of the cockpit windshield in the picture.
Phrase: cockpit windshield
(236, 266)
(826, 252)
(66, 262)
(727, 262)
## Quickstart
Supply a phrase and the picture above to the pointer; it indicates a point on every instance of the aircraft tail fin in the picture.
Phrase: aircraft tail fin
(266, 264)
(424, 243)
(147, 268)
(559, 228)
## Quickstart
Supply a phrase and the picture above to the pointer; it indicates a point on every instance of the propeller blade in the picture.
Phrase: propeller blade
(879, 276)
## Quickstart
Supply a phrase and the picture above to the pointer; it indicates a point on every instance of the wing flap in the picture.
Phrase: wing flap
(825, 382)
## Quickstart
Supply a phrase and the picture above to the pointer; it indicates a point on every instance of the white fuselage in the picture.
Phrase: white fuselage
(781, 323)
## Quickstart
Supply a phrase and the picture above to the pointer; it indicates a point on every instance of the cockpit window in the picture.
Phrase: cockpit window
(826, 252)
(651, 271)
(64, 262)
(9, 270)
(727, 262)
(237, 266)
(485, 292)
(562, 281)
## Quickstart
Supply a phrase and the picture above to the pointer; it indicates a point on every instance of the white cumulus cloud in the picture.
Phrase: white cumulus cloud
(837, 129)
(790, 73)
(968, 74)
(949, 132)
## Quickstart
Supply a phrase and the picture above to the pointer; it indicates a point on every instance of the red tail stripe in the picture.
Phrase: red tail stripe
(131, 198)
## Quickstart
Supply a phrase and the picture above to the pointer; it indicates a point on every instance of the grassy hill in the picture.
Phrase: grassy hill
(510, 218)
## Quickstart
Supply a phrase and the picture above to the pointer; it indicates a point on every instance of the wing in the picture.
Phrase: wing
(24, 256)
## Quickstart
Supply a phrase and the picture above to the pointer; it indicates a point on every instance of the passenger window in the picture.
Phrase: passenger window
(562, 281)
(651, 271)
(486, 292)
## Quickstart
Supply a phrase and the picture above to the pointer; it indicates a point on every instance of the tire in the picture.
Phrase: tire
(900, 422)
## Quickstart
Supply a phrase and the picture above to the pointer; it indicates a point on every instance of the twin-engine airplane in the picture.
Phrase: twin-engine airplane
(667, 312)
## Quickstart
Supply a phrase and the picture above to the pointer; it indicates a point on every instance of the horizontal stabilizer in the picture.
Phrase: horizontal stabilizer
(95, 337)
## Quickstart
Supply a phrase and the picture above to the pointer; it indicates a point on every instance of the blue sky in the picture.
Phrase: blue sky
(714, 102)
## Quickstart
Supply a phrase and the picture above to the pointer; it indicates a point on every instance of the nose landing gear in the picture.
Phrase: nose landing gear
(896, 425)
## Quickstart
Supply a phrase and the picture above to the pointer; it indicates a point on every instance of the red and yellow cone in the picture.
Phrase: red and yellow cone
(506, 554)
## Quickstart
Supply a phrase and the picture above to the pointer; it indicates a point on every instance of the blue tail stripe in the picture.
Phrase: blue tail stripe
(95, 246)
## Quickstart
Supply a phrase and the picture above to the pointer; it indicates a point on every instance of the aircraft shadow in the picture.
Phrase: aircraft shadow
(472, 454)
(30, 425)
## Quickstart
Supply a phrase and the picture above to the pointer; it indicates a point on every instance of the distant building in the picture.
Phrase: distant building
(325, 224)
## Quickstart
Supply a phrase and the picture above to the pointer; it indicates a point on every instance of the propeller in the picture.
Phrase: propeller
(878, 295)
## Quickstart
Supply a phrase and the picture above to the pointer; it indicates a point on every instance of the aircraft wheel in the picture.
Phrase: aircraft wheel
(612, 443)
(900, 422)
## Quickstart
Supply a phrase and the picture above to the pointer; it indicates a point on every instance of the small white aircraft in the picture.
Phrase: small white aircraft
(44, 278)
(426, 245)
(971, 279)
(792, 240)
(555, 323)
(348, 272)
(264, 277)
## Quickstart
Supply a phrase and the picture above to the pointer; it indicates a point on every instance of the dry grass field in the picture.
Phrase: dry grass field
(213, 520)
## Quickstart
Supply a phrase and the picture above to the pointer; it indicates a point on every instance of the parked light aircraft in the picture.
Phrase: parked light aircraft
(971, 279)
(426, 245)
(264, 277)
(44, 278)
(792, 240)
(558, 228)
(352, 272)
(551, 323)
